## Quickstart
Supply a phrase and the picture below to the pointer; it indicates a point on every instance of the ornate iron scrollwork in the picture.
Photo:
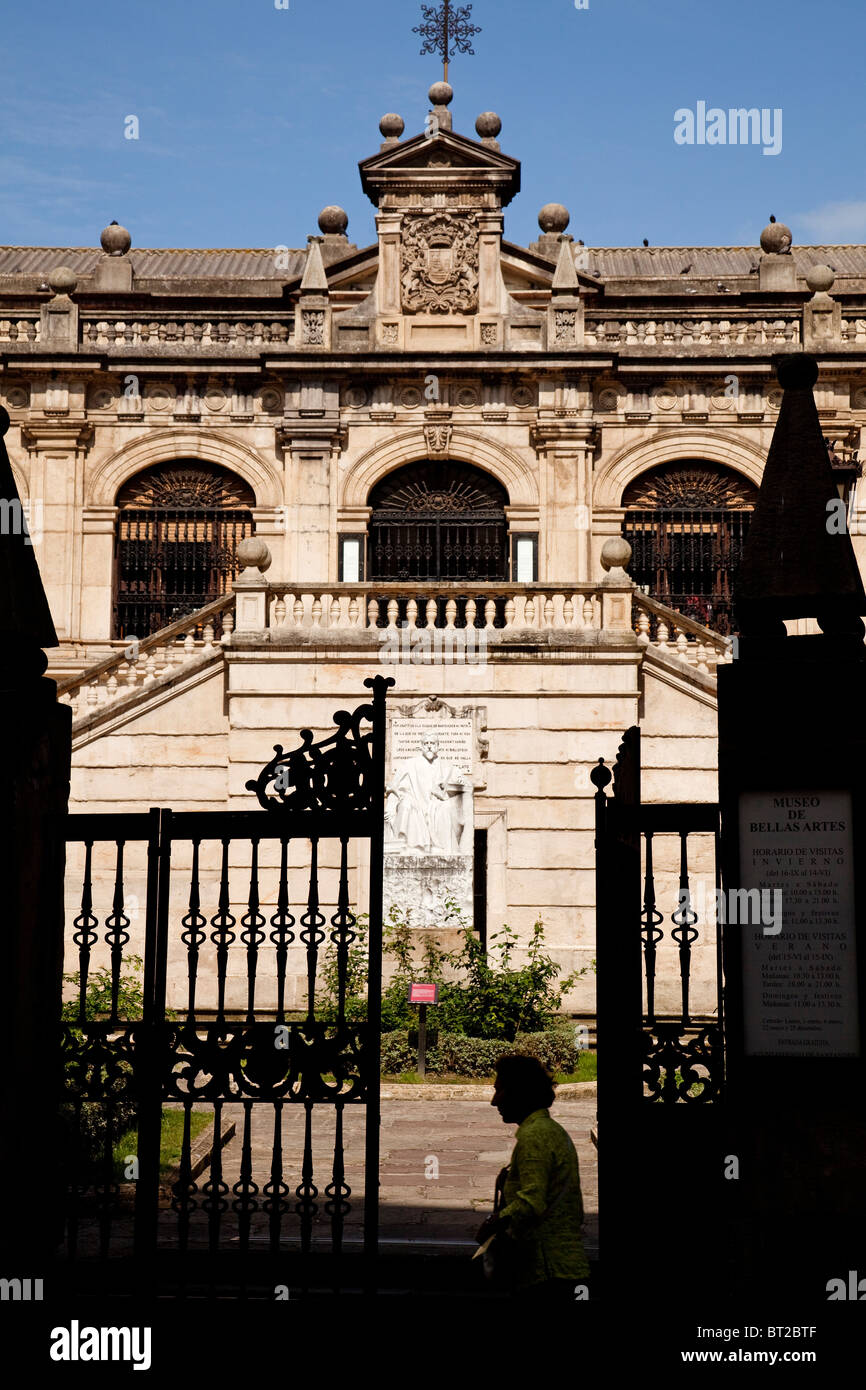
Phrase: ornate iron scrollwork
(237, 1061)
(676, 1065)
(334, 774)
(691, 484)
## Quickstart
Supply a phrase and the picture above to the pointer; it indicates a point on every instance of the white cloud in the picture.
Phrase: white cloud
(835, 223)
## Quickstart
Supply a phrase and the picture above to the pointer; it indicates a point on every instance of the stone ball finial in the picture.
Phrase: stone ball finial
(819, 278)
(615, 553)
(797, 371)
(115, 240)
(333, 220)
(776, 238)
(392, 125)
(554, 217)
(62, 280)
(5, 421)
(488, 125)
(441, 94)
(254, 554)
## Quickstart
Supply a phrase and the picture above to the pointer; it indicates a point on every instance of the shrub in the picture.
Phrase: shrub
(356, 978)
(97, 996)
(490, 998)
(498, 1000)
(397, 1055)
(97, 1123)
(458, 1054)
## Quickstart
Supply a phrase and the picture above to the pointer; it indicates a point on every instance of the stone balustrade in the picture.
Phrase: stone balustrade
(497, 613)
(685, 331)
(135, 665)
(502, 608)
(678, 636)
(237, 332)
(20, 330)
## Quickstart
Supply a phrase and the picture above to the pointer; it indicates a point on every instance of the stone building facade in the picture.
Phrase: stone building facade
(440, 433)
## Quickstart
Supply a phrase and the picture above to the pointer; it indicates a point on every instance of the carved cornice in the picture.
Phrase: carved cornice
(47, 434)
(548, 434)
(298, 432)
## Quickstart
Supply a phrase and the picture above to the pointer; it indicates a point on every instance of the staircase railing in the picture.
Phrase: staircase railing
(141, 662)
(678, 636)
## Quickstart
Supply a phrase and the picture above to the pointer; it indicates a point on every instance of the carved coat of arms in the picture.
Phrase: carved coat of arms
(440, 264)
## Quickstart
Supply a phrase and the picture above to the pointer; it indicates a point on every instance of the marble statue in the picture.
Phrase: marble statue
(425, 803)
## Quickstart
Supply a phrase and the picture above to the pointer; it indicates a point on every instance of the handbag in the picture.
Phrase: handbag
(501, 1256)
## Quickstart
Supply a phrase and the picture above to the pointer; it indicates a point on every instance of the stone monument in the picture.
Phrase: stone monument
(429, 815)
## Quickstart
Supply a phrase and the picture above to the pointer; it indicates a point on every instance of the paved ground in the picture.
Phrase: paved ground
(439, 1160)
(463, 1141)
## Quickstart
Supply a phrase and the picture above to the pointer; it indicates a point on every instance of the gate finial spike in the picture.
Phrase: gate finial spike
(600, 775)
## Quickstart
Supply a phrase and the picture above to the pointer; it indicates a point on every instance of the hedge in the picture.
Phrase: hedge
(457, 1054)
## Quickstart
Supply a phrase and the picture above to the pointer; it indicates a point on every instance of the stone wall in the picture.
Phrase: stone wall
(546, 722)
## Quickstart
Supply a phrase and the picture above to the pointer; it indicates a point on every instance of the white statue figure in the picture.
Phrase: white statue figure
(428, 817)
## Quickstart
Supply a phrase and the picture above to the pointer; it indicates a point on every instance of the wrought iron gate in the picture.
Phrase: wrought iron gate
(688, 560)
(661, 1075)
(687, 523)
(178, 529)
(229, 1041)
(438, 520)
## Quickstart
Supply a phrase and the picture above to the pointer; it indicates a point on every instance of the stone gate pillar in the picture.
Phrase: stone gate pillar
(34, 789)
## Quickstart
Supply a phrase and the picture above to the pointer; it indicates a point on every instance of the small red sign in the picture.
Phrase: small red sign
(423, 994)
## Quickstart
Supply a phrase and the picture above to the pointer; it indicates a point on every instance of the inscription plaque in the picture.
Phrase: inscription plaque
(800, 985)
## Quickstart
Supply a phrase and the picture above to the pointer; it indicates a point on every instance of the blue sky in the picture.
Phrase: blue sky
(252, 118)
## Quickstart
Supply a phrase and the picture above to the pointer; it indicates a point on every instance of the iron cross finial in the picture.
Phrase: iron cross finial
(447, 30)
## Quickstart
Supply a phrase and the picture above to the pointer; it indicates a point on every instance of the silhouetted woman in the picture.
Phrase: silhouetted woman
(542, 1210)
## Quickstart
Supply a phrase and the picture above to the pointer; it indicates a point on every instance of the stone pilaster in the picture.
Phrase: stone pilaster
(58, 447)
(565, 446)
(311, 440)
(94, 619)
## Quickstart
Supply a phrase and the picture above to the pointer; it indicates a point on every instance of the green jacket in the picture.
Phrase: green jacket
(544, 1158)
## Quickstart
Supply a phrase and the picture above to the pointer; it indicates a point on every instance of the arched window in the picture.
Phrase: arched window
(438, 520)
(177, 532)
(687, 523)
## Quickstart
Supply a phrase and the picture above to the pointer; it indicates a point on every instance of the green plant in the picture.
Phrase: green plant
(107, 1118)
(170, 1143)
(460, 1055)
(396, 944)
(498, 999)
(482, 994)
(356, 978)
(97, 995)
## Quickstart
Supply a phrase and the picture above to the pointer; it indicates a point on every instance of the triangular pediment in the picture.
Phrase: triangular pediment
(442, 161)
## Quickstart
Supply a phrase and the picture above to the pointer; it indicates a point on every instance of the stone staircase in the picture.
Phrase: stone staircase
(131, 676)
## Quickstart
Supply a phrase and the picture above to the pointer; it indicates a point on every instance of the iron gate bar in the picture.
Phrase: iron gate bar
(646, 1110)
(337, 793)
(621, 820)
(651, 932)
